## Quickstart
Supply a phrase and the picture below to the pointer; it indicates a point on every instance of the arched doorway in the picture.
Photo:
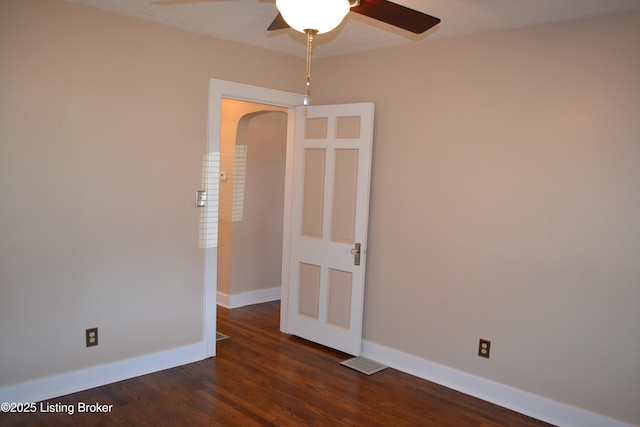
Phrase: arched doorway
(251, 202)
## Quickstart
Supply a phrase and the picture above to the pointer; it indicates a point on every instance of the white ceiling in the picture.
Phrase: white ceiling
(246, 21)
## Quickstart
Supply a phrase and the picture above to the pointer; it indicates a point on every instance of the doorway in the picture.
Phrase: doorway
(251, 202)
(219, 90)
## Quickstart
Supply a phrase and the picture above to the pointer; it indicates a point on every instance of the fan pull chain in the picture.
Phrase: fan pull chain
(310, 34)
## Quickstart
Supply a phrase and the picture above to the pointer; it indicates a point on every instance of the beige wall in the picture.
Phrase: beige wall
(506, 205)
(250, 249)
(504, 195)
(103, 128)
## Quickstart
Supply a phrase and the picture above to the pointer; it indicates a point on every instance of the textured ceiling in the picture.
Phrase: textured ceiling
(245, 21)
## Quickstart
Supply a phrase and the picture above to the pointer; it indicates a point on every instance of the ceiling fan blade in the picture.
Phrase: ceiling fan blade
(278, 24)
(396, 15)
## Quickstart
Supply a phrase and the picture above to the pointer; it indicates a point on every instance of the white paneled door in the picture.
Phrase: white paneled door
(330, 210)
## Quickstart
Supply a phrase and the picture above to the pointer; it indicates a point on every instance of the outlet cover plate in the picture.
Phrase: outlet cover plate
(484, 348)
(91, 337)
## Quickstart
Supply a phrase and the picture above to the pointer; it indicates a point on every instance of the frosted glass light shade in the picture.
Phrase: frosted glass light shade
(320, 15)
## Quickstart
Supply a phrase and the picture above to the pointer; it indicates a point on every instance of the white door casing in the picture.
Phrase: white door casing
(329, 218)
(219, 89)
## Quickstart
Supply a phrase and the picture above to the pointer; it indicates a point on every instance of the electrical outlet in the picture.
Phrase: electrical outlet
(92, 337)
(484, 348)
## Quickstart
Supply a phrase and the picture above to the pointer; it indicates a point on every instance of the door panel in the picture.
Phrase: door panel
(313, 193)
(330, 210)
(339, 304)
(345, 190)
(309, 302)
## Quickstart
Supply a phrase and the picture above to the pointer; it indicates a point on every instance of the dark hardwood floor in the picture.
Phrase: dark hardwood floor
(262, 377)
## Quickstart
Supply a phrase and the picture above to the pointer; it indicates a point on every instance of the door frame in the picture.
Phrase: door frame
(219, 89)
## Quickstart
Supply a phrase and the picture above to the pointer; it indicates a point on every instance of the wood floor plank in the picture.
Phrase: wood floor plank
(261, 377)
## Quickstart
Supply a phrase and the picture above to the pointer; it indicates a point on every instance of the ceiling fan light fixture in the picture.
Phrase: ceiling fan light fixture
(320, 15)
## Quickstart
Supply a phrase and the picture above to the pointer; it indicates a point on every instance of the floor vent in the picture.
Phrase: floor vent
(364, 365)
(220, 336)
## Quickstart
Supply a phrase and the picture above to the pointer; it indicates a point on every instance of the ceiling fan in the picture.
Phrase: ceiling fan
(381, 10)
(320, 16)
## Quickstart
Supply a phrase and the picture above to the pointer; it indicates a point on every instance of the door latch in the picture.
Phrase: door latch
(356, 254)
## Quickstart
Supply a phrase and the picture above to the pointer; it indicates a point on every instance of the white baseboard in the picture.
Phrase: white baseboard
(60, 385)
(517, 400)
(248, 298)
(525, 403)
